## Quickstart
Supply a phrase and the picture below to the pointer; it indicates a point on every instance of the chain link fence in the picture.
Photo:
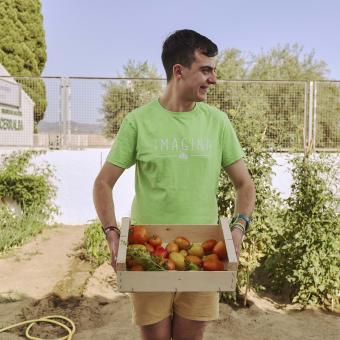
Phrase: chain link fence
(76, 113)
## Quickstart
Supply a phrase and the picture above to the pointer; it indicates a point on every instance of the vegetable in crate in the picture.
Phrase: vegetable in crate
(138, 235)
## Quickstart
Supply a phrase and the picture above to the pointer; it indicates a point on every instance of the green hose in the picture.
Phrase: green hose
(48, 319)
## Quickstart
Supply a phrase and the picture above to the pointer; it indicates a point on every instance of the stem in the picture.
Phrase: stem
(247, 287)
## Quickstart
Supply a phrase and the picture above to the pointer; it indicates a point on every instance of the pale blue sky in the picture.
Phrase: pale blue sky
(96, 38)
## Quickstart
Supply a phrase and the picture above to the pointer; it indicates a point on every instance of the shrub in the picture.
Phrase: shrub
(306, 253)
(31, 187)
(95, 247)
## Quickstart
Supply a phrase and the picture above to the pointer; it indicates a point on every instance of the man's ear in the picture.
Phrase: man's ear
(177, 71)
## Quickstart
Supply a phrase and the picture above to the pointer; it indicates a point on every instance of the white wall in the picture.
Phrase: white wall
(22, 137)
(76, 171)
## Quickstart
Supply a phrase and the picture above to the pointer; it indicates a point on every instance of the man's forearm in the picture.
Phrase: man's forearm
(103, 202)
(245, 199)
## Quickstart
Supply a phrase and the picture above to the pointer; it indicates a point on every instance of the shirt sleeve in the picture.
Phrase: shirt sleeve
(123, 150)
(231, 148)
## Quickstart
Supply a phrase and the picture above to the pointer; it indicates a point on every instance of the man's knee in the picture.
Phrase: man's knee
(157, 331)
(184, 329)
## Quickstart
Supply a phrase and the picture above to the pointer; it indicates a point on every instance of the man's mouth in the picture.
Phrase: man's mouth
(204, 88)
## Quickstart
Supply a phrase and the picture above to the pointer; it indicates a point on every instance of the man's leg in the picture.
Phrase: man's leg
(192, 311)
(157, 331)
(184, 329)
(152, 313)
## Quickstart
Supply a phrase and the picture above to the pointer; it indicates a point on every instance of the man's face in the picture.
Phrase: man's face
(195, 81)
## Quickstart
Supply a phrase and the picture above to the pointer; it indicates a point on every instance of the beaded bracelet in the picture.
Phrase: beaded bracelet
(241, 219)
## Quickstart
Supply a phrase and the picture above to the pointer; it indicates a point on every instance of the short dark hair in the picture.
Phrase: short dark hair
(180, 47)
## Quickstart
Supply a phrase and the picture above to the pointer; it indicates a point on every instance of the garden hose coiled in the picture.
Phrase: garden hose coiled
(49, 319)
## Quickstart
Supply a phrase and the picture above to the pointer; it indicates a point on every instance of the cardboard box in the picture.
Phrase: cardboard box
(181, 281)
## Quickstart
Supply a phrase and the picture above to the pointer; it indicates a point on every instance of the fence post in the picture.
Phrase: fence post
(309, 144)
(305, 118)
(65, 112)
(315, 110)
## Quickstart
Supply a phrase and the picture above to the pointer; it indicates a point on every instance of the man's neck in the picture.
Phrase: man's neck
(171, 101)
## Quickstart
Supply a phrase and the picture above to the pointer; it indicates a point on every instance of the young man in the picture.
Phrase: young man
(178, 144)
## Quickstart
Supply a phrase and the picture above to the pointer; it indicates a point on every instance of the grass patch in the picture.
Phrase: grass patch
(15, 230)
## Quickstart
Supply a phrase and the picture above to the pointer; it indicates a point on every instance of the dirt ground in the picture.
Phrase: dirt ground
(46, 277)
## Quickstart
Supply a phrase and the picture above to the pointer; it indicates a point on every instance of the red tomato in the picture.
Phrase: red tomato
(160, 251)
(208, 246)
(194, 259)
(137, 268)
(138, 235)
(155, 240)
(211, 257)
(213, 265)
(220, 250)
(169, 264)
(182, 242)
(172, 246)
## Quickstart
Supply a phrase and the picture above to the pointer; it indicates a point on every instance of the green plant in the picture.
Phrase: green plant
(306, 252)
(248, 117)
(260, 237)
(95, 247)
(23, 48)
(15, 230)
(29, 185)
(32, 188)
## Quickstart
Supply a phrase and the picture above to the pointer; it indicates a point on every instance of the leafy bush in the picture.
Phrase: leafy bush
(95, 246)
(29, 186)
(306, 252)
(249, 120)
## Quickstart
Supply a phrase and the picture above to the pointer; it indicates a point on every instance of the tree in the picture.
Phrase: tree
(287, 63)
(231, 65)
(287, 101)
(23, 47)
(121, 98)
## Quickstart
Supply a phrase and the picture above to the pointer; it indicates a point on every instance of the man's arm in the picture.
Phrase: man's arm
(245, 196)
(103, 202)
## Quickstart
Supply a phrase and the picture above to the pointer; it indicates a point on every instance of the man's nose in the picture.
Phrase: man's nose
(212, 78)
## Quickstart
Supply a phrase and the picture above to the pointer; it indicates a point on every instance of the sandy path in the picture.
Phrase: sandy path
(34, 268)
(49, 279)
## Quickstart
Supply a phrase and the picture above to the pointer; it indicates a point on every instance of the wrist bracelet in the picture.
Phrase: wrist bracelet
(241, 219)
(111, 227)
(238, 226)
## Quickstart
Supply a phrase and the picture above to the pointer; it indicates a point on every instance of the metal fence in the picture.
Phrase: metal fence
(67, 113)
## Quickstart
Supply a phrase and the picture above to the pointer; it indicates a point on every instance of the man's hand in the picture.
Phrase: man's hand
(237, 236)
(113, 241)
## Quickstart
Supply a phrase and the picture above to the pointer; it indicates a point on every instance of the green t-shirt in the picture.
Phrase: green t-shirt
(178, 157)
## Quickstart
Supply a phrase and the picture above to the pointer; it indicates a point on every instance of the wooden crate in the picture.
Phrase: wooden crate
(181, 281)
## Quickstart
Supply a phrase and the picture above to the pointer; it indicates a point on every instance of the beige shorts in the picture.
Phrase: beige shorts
(149, 308)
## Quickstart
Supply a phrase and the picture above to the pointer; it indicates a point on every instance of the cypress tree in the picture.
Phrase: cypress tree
(23, 47)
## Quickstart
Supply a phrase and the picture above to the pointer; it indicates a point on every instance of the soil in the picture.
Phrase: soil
(47, 276)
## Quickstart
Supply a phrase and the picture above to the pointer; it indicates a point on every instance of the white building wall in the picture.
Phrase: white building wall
(24, 136)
